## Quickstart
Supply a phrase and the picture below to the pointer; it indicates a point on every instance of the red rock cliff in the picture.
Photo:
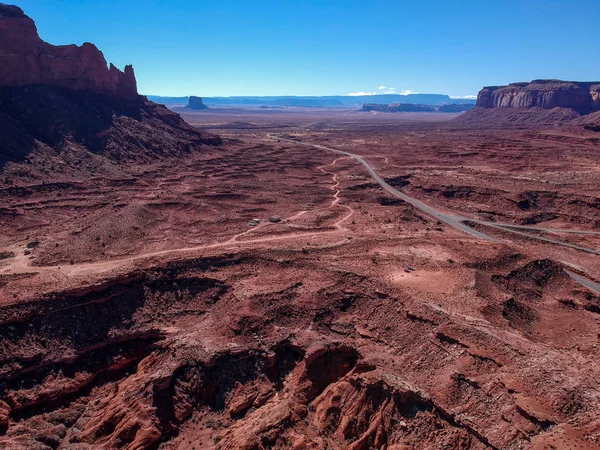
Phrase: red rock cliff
(25, 60)
(583, 97)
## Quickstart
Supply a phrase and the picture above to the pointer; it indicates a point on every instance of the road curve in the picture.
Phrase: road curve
(592, 286)
(513, 230)
(454, 221)
(457, 221)
(545, 229)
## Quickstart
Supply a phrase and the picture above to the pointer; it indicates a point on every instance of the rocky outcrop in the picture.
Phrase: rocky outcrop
(196, 104)
(583, 97)
(397, 107)
(591, 122)
(541, 103)
(119, 128)
(66, 97)
(25, 59)
(515, 118)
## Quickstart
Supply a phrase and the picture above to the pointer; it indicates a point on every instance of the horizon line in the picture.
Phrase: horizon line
(350, 95)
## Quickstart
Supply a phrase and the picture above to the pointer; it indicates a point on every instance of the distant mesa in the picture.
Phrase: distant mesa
(591, 122)
(196, 104)
(409, 107)
(537, 103)
(331, 101)
(456, 107)
(583, 97)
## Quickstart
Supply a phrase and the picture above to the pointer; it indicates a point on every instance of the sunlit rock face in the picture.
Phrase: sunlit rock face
(583, 97)
(25, 59)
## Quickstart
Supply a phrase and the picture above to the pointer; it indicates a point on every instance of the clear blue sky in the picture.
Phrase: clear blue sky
(303, 47)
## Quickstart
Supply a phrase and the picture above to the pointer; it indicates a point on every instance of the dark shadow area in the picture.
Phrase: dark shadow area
(15, 144)
(52, 115)
(123, 127)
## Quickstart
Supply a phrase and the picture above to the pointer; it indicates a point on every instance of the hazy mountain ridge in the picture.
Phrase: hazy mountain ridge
(318, 101)
(411, 107)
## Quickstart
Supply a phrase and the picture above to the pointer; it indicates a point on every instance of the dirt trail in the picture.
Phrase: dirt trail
(457, 221)
(336, 195)
(454, 221)
(21, 264)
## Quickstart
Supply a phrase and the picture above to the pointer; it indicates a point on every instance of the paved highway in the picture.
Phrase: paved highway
(458, 221)
(584, 282)
(455, 221)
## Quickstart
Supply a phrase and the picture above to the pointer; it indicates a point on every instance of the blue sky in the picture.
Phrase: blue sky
(227, 47)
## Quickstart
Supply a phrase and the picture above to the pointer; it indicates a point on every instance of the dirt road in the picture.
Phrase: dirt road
(457, 221)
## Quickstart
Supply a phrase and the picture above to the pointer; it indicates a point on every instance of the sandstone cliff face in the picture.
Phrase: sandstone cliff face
(27, 60)
(54, 98)
(547, 94)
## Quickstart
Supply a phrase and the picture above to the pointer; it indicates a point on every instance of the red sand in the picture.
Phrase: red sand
(153, 316)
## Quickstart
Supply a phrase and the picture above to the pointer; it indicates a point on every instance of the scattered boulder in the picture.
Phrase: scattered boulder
(274, 219)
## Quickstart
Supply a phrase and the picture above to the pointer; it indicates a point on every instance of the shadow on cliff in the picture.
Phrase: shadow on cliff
(15, 144)
(117, 127)
(55, 116)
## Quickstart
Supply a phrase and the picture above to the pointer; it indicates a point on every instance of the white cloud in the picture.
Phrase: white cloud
(386, 90)
(464, 96)
(358, 94)
(407, 92)
(380, 91)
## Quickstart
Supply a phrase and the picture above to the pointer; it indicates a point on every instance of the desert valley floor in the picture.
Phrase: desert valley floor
(145, 307)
